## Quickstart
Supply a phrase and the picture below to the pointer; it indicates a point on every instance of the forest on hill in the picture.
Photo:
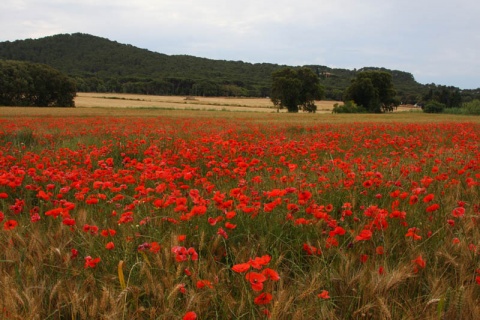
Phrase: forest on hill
(101, 65)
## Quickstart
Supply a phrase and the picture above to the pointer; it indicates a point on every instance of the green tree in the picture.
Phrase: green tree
(32, 84)
(373, 90)
(295, 89)
(449, 96)
(434, 106)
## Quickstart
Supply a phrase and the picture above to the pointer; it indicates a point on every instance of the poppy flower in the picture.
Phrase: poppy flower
(193, 254)
(241, 268)
(263, 298)
(379, 250)
(110, 245)
(229, 225)
(180, 253)
(91, 262)
(154, 247)
(271, 274)
(381, 270)
(413, 199)
(190, 315)
(412, 232)
(368, 183)
(364, 235)
(212, 221)
(222, 233)
(323, 295)
(458, 212)
(256, 280)
(259, 262)
(68, 221)
(204, 283)
(10, 225)
(230, 214)
(311, 250)
(433, 207)
(34, 217)
(428, 198)
(419, 262)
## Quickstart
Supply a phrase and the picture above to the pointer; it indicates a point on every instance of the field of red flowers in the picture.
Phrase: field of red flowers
(184, 218)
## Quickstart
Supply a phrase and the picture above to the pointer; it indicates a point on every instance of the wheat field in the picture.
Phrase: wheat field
(89, 100)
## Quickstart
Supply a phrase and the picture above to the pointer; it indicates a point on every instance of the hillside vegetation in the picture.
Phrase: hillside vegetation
(102, 65)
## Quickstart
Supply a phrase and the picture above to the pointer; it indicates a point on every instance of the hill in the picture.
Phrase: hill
(102, 65)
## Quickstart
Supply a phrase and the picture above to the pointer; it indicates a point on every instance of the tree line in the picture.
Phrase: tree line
(101, 65)
(371, 91)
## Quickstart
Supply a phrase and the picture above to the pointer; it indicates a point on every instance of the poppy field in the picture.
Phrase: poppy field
(224, 218)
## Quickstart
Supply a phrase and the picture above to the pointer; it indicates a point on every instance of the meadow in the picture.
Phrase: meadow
(157, 213)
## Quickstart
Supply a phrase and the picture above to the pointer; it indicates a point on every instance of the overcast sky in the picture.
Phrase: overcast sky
(436, 41)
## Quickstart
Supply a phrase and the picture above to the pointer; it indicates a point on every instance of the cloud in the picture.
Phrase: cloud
(432, 40)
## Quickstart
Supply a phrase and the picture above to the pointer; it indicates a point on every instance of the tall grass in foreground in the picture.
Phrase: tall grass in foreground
(171, 218)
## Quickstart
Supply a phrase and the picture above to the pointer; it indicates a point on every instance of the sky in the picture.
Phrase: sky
(436, 41)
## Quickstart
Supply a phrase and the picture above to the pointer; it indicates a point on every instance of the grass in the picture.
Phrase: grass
(233, 188)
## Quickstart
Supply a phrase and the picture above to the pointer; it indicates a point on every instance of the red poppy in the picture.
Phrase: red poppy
(256, 280)
(193, 254)
(428, 198)
(259, 262)
(420, 262)
(204, 283)
(458, 212)
(91, 262)
(433, 207)
(229, 225)
(230, 214)
(412, 232)
(190, 315)
(379, 250)
(381, 270)
(242, 267)
(311, 250)
(10, 225)
(263, 298)
(180, 253)
(68, 221)
(363, 258)
(271, 274)
(222, 233)
(364, 235)
(413, 200)
(323, 295)
(110, 245)
(34, 217)
(154, 247)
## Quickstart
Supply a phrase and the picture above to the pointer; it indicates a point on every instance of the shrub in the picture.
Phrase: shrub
(454, 111)
(434, 107)
(348, 107)
(472, 107)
